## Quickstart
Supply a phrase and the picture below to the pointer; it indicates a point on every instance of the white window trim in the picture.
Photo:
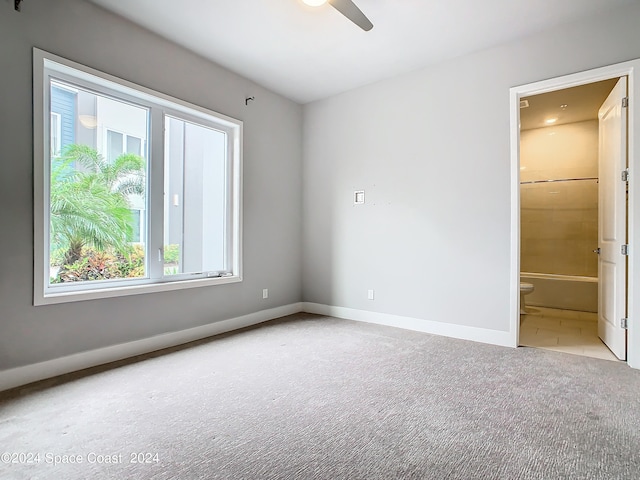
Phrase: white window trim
(43, 294)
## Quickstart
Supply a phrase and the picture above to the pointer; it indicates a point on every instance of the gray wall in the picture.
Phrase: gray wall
(431, 149)
(86, 34)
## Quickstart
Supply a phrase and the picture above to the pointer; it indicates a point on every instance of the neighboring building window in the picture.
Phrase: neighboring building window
(56, 134)
(107, 230)
(134, 145)
(119, 143)
(138, 232)
(114, 145)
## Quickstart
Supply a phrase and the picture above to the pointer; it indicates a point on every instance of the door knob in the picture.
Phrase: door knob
(597, 250)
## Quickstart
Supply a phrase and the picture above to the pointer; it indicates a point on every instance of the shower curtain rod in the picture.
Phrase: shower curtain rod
(558, 180)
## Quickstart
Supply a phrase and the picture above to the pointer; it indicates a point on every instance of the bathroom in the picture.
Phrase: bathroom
(559, 195)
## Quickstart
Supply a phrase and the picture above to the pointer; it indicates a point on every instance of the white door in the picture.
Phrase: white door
(612, 220)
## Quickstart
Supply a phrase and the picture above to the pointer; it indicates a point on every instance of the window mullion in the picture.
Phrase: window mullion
(155, 199)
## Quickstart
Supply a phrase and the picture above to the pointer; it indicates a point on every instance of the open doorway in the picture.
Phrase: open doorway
(621, 315)
(559, 216)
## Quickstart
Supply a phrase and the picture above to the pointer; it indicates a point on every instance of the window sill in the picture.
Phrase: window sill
(121, 291)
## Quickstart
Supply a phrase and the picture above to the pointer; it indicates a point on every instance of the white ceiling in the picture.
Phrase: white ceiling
(307, 53)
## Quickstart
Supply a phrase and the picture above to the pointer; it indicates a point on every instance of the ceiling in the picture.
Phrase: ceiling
(569, 105)
(308, 53)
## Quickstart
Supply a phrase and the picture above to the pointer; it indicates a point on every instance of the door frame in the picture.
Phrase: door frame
(628, 69)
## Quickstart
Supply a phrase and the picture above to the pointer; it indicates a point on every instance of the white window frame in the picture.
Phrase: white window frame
(48, 66)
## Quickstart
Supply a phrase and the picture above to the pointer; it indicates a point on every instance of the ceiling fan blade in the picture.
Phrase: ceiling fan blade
(353, 13)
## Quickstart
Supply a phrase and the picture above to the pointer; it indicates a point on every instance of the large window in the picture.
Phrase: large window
(134, 191)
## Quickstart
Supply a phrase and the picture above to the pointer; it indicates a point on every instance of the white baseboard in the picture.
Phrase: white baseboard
(19, 376)
(482, 335)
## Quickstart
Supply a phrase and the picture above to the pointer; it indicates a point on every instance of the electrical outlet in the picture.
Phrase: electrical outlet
(265, 293)
(370, 294)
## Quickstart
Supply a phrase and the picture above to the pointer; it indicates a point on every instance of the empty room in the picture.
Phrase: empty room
(306, 239)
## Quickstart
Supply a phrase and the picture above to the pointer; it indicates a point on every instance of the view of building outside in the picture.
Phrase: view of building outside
(98, 201)
(98, 179)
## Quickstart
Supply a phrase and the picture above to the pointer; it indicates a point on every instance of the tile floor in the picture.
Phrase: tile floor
(563, 331)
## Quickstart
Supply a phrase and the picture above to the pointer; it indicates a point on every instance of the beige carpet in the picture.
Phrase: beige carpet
(310, 397)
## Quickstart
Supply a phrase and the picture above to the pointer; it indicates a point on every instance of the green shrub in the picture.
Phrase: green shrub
(99, 265)
(171, 270)
(57, 257)
(172, 253)
(131, 263)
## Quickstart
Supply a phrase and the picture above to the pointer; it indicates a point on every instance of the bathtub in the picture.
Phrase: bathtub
(562, 291)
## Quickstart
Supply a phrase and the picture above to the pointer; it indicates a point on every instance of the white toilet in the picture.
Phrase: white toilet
(525, 289)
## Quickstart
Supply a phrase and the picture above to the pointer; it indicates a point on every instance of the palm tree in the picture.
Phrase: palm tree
(88, 200)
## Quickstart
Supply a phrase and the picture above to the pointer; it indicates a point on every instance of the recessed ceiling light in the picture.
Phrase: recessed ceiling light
(550, 121)
(563, 106)
(315, 3)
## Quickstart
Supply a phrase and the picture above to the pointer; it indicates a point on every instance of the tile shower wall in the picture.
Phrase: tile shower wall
(559, 221)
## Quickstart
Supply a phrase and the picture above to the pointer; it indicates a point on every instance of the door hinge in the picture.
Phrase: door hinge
(625, 175)
(624, 322)
(624, 249)
(625, 102)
